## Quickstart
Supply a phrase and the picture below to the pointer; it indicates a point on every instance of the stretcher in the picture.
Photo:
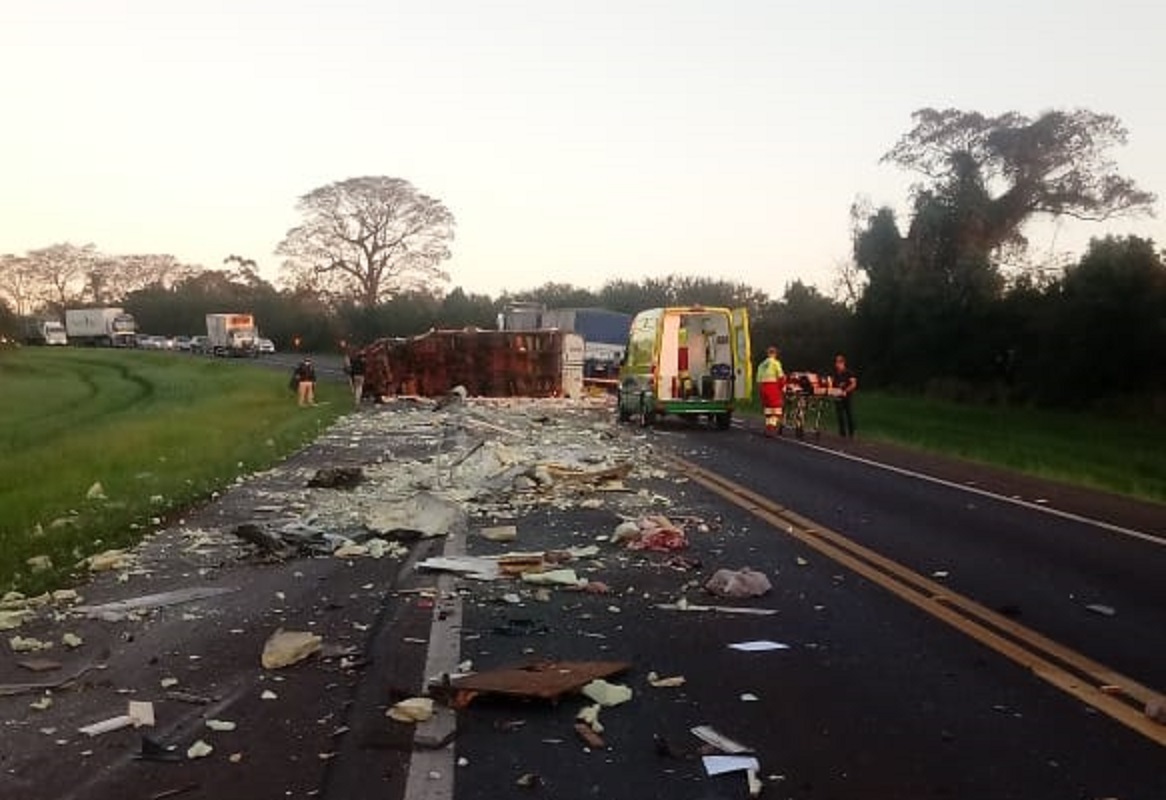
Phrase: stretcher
(805, 398)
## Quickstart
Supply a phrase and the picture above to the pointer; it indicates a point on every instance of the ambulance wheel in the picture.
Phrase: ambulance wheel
(723, 421)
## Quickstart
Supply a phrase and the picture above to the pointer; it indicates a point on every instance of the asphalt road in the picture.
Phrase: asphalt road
(874, 699)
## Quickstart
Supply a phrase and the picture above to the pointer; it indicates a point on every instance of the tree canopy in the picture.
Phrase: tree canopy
(367, 239)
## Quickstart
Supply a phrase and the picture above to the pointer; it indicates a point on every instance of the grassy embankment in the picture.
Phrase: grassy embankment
(1119, 455)
(158, 431)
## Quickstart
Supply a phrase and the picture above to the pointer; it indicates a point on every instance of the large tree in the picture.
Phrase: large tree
(995, 173)
(367, 240)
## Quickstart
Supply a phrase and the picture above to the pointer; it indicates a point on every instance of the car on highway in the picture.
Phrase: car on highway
(182, 343)
(200, 344)
(264, 346)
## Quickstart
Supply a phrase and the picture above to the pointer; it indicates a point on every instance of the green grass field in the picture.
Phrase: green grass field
(158, 431)
(1115, 454)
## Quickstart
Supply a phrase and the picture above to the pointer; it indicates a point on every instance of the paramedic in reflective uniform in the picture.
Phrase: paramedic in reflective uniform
(770, 383)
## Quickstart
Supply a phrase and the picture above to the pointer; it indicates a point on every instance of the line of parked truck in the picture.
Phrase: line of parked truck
(226, 334)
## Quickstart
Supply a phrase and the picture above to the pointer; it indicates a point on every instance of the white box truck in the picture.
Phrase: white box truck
(49, 332)
(100, 327)
(231, 334)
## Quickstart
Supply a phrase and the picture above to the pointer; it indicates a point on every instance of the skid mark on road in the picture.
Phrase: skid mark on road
(1120, 697)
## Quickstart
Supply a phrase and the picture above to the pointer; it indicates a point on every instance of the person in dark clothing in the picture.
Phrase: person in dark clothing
(304, 378)
(355, 370)
(843, 382)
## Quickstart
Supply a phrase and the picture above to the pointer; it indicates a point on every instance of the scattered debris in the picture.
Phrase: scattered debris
(21, 644)
(117, 610)
(1103, 610)
(684, 605)
(138, 715)
(483, 569)
(109, 560)
(744, 582)
(199, 749)
(95, 492)
(284, 648)
(719, 765)
(555, 577)
(414, 709)
(424, 514)
(43, 703)
(652, 532)
(758, 646)
(10, 620)
(220, 725)
(39, 664)
(189, 698)
(500, 533)
(71, 640)
(337, 478)
(590, 737)
(589, 715)
(268, 695)
(673, 682)
(749, 697)
(528, 780)
(710, 736)
(547, 680)
(606, 694)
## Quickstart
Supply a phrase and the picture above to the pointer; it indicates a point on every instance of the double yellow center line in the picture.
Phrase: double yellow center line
(1104, 689)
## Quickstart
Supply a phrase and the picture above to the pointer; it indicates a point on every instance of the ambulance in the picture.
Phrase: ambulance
(687, 361)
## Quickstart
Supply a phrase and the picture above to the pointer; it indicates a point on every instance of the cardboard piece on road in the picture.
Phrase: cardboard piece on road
(543, 680)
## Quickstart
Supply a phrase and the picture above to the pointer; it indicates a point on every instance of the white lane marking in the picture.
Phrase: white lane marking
(1056, 512)
(431, 767)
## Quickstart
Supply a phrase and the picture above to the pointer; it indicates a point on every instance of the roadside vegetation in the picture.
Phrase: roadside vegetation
(157, 433)
(1114, 454)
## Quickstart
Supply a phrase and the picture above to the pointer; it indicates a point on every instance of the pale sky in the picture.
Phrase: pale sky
(574, 142)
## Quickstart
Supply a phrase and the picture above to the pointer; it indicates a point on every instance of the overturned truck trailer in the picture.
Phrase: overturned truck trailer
(539, 363)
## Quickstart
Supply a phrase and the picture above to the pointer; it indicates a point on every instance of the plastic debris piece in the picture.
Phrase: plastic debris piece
(589, 715)
(268, 695)
(749, 697)
(1103, 610)
(284, 648)
(744, 582)
(719, 765)
(220, 725)
(711, 736)
(199, 749)
(414, 709)
(20, 644)
(606, 694)
(500, 533)
(758, 646)
(554, 577)
(42, 703)
(665, 683)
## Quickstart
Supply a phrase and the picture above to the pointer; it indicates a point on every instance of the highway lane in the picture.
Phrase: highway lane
(1041, 569)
